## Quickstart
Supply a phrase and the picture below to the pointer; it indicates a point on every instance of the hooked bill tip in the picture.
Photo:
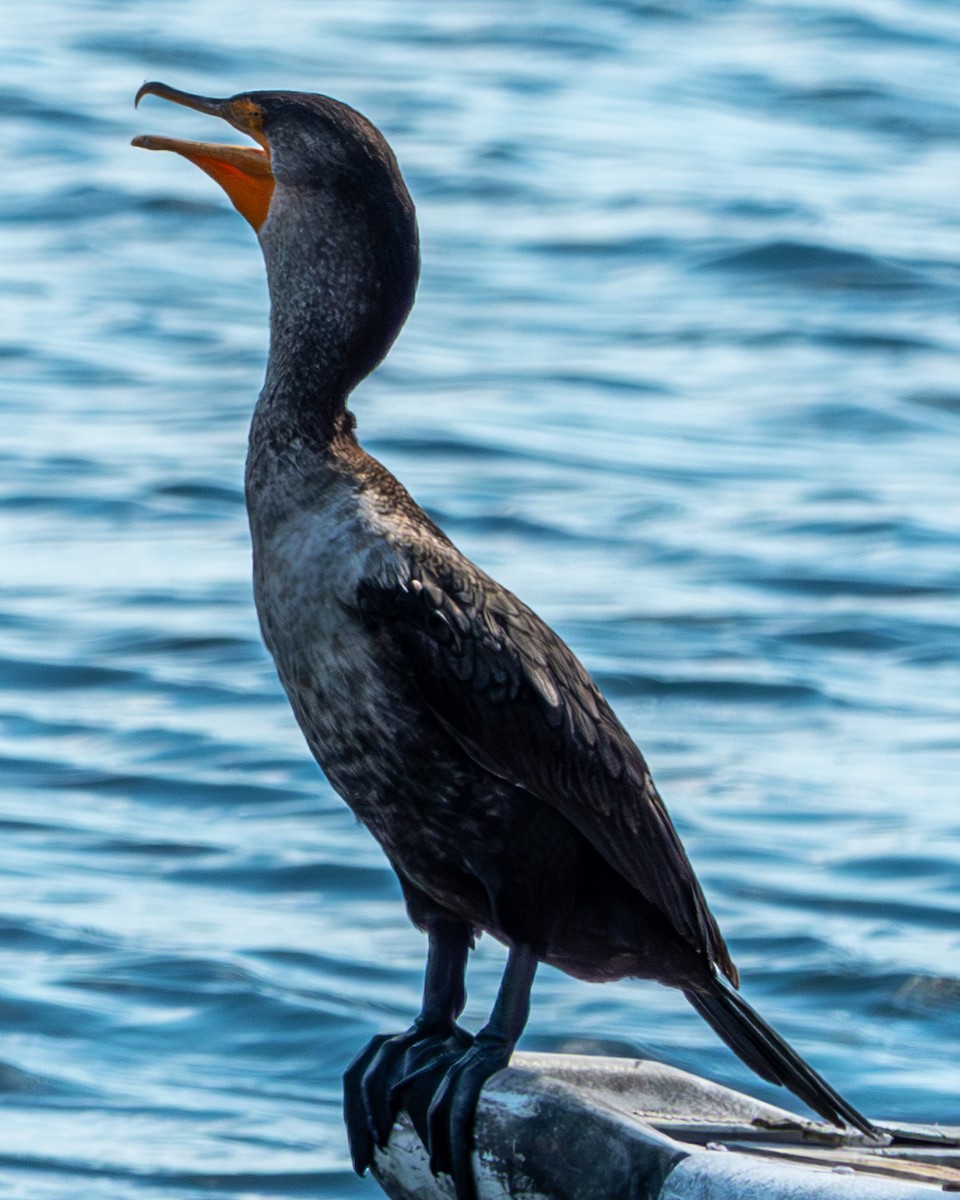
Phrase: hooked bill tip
(145, 89)
(205, 104)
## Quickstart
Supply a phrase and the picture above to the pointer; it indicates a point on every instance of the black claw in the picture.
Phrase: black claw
(361, 1143)
(375, 1092)
(354, 1112)
(450, 1118)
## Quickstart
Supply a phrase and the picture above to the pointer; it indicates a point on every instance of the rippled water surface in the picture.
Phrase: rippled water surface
(683, 372)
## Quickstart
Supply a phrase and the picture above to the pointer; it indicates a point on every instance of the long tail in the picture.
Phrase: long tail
(764, 1051)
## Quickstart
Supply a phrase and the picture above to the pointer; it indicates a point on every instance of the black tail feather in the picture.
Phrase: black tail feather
(765, 1051)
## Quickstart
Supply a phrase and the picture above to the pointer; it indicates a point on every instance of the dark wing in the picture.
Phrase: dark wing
(516, 699)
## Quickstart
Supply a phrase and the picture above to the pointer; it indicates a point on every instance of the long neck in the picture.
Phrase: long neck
(341, 284)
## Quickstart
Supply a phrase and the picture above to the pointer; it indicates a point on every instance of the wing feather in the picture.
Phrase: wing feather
(514, 696)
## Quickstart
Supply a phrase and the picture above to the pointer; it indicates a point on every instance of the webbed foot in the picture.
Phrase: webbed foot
(374, 1083)
(436, 1070)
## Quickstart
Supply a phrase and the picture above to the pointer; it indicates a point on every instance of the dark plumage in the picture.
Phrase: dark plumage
(457, 725)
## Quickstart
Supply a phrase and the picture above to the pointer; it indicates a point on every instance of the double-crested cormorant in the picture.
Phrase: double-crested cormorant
(459, 728)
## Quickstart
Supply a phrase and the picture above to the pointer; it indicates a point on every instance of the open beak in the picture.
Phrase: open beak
(242, 171)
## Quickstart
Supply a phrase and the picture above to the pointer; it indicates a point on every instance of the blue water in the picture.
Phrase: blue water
(682, 372)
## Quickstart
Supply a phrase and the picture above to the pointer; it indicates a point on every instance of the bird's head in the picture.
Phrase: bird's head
(323, 191)
(306, 142)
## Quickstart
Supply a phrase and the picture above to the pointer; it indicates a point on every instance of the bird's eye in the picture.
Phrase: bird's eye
(248, 115)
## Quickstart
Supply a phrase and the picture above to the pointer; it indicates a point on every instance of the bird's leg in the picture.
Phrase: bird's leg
(451, 1114)
(372, 1082)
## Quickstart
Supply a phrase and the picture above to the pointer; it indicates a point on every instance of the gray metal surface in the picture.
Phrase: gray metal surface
(571, 1127)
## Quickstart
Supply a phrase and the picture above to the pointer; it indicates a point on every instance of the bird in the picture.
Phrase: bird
(458, 726)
